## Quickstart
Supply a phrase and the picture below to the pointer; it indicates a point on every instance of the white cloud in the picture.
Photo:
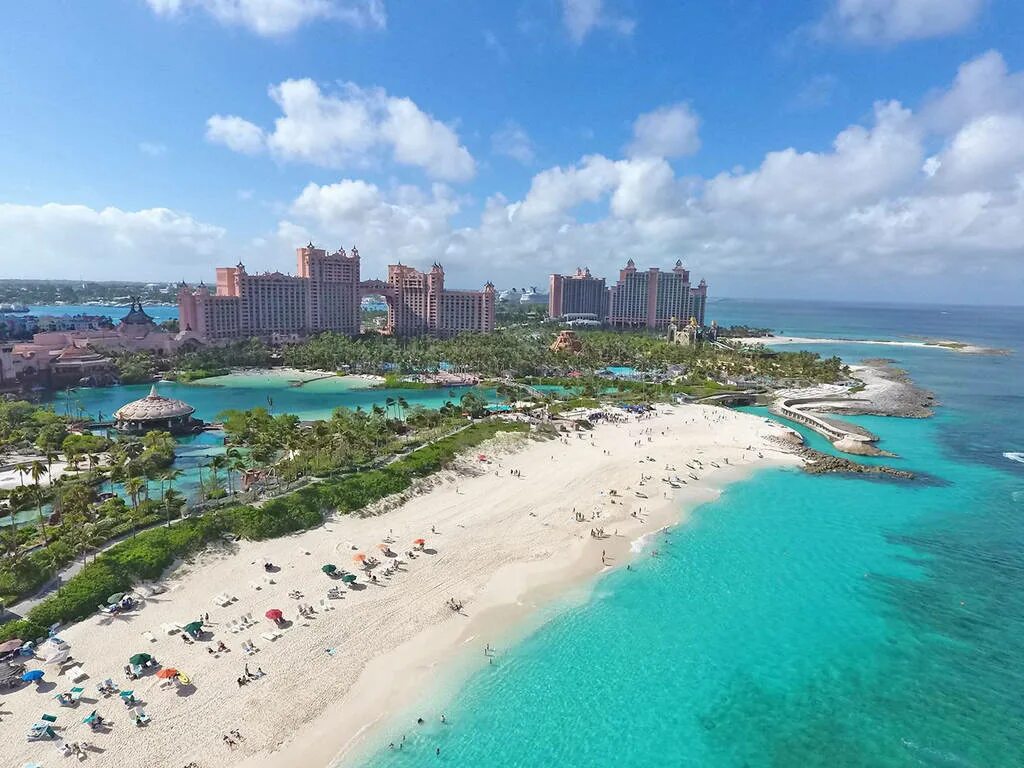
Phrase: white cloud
(349, 129)
(986, 153)
(863, 164)
(984, 85)
(106, 244)
(235, 134)
(581, 17)
(512, 141)
(152, 148)
(400, 224)
(272, 18)
(867, 217)
(893, 21)
(669, 131)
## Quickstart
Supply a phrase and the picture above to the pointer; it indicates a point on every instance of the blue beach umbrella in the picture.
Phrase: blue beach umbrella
(32, 675)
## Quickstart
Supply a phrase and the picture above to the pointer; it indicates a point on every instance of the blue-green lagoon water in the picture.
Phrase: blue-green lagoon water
(798, 620)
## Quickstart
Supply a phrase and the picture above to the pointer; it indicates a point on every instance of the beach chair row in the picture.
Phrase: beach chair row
(237, 625)
(223, 599)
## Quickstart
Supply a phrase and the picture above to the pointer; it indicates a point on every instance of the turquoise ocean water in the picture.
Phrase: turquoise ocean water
(799, 620)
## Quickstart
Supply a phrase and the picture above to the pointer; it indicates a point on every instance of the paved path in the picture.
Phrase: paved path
(21, 608)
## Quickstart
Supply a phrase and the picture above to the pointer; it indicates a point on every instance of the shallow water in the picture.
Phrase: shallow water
(316, 399)
(798, 620)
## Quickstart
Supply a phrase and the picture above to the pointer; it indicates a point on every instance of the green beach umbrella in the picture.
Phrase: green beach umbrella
(348, 578)
(115, 598)
(140, 658)
(193, 627)
(329, 568)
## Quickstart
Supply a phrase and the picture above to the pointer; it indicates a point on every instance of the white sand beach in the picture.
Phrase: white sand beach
(499, 543)
(954, 346)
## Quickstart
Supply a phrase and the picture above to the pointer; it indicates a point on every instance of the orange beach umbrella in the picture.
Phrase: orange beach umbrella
(419, 542)
(167, 672)
(359, 557)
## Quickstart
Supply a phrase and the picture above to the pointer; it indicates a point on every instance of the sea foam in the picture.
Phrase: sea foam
(1015, 456)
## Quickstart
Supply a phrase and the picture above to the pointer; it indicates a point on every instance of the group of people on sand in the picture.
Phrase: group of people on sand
(454, 604)
(231, 738)
(248, 676)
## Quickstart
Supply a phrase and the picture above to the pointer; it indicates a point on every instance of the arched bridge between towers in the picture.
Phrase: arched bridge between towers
(376, 288)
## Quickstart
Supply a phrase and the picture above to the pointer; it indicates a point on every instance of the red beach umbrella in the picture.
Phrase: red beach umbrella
(419, 542)
(274, 614)
(167, 672)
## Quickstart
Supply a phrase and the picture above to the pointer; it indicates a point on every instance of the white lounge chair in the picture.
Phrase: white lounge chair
(170, 628)
(75, 673)
(255, 585)
(233, 627)
(222, 600)
(147, 635)
(270, 636)
(248, 619)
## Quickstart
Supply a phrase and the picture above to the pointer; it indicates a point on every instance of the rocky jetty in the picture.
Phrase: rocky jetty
(818, 463)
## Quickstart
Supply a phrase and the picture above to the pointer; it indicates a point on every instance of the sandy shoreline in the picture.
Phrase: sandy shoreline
(505, 546)
(953, 346)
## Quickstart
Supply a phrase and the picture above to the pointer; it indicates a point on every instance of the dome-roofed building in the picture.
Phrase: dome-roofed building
(154, 411)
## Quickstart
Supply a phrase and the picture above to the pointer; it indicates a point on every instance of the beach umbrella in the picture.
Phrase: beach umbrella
(193, 627)
(420, 542)
(328, 568)
(32, 675)
(348, 578)
(11, 645)
(383, 547)
(359, 558)
(117, 597)
(167, 672)
(140, 658)
(274, 614)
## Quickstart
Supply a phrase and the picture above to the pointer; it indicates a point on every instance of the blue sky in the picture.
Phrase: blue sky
(839, 148)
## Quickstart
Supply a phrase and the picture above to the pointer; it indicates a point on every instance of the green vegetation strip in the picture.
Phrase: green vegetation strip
(149, 554)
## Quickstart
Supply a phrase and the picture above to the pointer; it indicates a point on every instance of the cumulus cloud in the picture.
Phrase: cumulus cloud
(669, 131)
(893, 21)
(863, 163)
(271, 18)
(512, 141)
(581, 17)
(913, 202)
(869, 212)
(235, 134)
(106, 244)
(346, 129)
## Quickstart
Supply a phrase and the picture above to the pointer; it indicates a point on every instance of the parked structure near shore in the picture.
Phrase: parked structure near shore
(578, 294)
(325, 295)
(650, 298)
(154, 411)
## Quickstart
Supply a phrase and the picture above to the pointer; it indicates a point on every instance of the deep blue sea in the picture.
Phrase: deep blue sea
(798, 620)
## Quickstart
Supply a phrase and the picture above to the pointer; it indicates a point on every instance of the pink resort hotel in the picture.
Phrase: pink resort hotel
(325, 295)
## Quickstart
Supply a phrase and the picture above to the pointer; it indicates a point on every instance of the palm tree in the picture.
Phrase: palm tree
(172, 499)
(22, 471)
(132, 486)
(389, 402)
(403, 405)
(37, 469)
(39, 510)
(216, 464)
(232, 455)
(51, 456)
(10, 545)
(239, 465)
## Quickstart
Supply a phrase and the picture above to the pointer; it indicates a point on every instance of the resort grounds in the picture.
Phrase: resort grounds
(510, 528)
